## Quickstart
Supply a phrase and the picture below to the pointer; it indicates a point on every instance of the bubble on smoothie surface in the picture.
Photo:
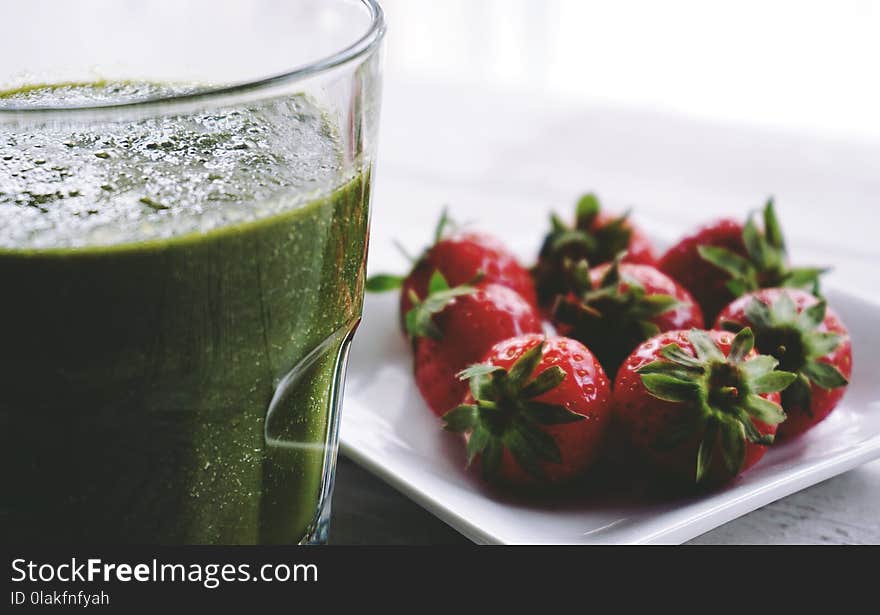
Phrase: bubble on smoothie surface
(81, 184)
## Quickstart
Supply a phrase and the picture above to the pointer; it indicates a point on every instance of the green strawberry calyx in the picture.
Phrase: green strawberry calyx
(723, 394)
(618, 303)
(602, 243)
(794, 340)
(504, 414)
(383, 282)
(419, 320)
(565, 245)
(766, 262)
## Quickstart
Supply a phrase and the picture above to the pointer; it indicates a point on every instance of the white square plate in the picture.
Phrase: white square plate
(388, 429)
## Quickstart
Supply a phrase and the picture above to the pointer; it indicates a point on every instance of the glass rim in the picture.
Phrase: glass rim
(362, 47)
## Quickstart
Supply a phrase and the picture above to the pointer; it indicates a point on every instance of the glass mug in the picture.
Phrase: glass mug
(184, 213)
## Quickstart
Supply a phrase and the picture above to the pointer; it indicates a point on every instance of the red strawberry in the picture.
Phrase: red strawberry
(536, 412)
(455, 327)
(705, 281)
(460, 256)
(596, 237)
(616, 306)
(807, 338)
(725, 259)
(700, 406)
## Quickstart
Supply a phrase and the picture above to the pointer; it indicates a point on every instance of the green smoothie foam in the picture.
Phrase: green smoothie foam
(165, 282)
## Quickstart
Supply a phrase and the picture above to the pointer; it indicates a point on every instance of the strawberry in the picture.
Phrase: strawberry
(700, 406)
(683, 263)
(725, 259)
(536, 411)
(807, 338)
(455, 327)
(596, 237)
(460, 256)
(616, 306)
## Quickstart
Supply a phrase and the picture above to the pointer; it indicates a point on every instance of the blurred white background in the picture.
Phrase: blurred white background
(683, 110)
(808, 65)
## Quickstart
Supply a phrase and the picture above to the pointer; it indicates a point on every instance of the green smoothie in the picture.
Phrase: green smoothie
(176, 299)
